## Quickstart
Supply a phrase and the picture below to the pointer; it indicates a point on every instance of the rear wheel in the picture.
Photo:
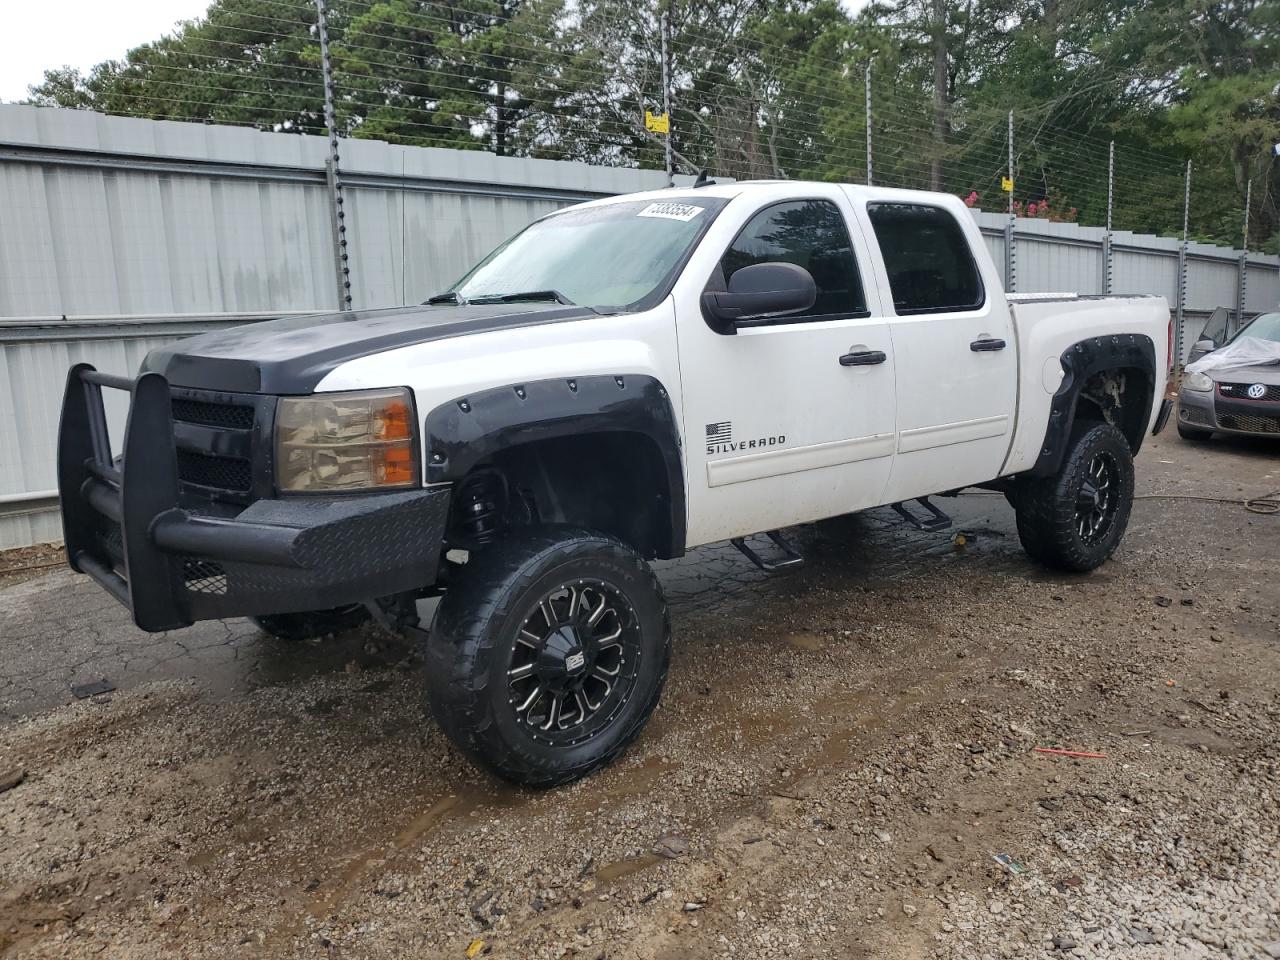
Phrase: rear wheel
(312, 623)
(1075, 519)
(547, 654)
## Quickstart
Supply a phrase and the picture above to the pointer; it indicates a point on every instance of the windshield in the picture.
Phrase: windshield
(611, 257)
(1265, 326)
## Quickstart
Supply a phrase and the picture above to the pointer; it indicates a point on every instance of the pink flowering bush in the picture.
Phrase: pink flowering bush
(1051, 207)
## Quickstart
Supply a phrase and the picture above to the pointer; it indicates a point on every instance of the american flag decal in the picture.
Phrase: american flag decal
(720, 432)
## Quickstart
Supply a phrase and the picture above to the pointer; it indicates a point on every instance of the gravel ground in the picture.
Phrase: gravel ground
(839, 758)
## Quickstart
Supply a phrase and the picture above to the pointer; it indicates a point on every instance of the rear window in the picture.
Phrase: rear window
(931, 269)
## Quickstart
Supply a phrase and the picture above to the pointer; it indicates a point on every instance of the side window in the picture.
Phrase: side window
(930, 265)
(811, 234)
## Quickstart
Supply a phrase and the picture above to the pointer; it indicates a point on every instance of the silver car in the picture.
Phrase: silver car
(1243, 401)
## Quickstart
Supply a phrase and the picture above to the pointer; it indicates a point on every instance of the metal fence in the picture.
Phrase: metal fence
(120, 234)
(744, 90)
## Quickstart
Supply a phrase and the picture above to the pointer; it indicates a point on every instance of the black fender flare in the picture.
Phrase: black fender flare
(467, 430)
(1080, 361)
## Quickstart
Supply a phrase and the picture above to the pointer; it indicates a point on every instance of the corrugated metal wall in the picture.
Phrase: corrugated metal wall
(141, 231)
(1064, 257)
(31, 384)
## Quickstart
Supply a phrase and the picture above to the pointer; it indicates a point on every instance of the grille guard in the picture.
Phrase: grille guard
(123, 525)
(91, 487)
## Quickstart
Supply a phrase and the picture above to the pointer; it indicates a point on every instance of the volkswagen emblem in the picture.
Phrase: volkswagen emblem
(1257, 391)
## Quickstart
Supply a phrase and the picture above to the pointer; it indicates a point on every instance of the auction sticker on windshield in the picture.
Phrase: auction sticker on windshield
(671, 211)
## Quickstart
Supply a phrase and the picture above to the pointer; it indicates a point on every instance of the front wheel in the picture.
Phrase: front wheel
(1075, 519)
(547, 654)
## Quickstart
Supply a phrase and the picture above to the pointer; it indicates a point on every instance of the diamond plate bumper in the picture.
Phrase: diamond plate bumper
(171, 566)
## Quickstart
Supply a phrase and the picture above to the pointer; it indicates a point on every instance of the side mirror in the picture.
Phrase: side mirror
(757, 294)
(1200, 348)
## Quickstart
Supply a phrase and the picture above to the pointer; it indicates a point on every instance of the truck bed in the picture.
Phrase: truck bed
(1046, 326)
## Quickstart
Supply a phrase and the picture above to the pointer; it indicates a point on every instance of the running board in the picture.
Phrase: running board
(931, 524)
(793, 557)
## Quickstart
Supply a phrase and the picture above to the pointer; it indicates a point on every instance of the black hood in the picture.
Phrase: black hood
(293, 354)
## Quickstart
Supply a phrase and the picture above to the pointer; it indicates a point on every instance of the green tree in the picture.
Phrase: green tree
(768, 88)
(249, 62)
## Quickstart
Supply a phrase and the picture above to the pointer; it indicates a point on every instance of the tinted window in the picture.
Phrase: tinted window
(930, 266)
(810, 234)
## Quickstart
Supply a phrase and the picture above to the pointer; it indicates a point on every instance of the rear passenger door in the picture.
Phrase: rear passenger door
(953, 340)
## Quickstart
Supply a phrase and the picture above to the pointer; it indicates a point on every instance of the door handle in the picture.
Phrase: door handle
(987, 345)
(862, 358)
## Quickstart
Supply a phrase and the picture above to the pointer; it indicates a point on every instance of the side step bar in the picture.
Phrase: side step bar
(792, 556)
(931, 524)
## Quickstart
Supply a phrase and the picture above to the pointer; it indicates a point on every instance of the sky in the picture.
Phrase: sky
(85, 32)
(80, 33)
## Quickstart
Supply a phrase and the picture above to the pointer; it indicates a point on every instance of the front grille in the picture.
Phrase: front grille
(227, 416)
(1240, 391)
(222, 473)
(1250, 424)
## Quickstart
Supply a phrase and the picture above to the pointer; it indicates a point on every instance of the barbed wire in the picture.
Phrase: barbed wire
(741, 108)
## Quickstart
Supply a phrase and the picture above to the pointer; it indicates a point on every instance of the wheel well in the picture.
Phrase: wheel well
(1120, 396)
(613, 482)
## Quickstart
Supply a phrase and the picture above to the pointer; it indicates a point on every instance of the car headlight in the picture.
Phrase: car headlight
(1198, 382)
(346, 441)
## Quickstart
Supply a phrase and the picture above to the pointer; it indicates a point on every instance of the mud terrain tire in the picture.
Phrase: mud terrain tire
(1075, 519)
(508, 624)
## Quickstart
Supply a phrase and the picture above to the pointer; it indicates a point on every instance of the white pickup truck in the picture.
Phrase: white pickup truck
(621, 381)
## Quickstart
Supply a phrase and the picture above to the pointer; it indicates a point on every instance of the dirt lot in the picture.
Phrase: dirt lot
(840, 754)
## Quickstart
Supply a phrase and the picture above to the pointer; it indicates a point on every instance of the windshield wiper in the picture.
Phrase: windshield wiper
(550, 296)
(449, 297)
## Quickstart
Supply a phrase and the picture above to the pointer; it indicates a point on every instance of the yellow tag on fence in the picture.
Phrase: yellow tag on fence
(657, 122)
(1006, 185)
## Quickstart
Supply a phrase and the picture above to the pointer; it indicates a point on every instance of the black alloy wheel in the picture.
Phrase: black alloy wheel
(1074, 519)
(548, 653)
(1096, 501)
(574, 662)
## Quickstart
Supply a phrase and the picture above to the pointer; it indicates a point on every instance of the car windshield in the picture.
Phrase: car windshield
(1265, 326)
(610, 257)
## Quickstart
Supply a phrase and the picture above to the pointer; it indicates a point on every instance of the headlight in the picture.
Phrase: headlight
(1198, 382)
(346, 441)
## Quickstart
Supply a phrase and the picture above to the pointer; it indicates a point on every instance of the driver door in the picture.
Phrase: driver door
(791, 421)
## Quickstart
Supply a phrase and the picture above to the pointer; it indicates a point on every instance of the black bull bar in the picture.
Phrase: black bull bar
(127, 524)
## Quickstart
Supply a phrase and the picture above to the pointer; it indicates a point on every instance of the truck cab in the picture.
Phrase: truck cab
(620, 381)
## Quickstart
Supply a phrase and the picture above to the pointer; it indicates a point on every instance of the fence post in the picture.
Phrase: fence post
(1010, 255)
(666, 89)
(333, 171)
(1242, 270)
(1179, 324)
(868, 112)
(1106, 237)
